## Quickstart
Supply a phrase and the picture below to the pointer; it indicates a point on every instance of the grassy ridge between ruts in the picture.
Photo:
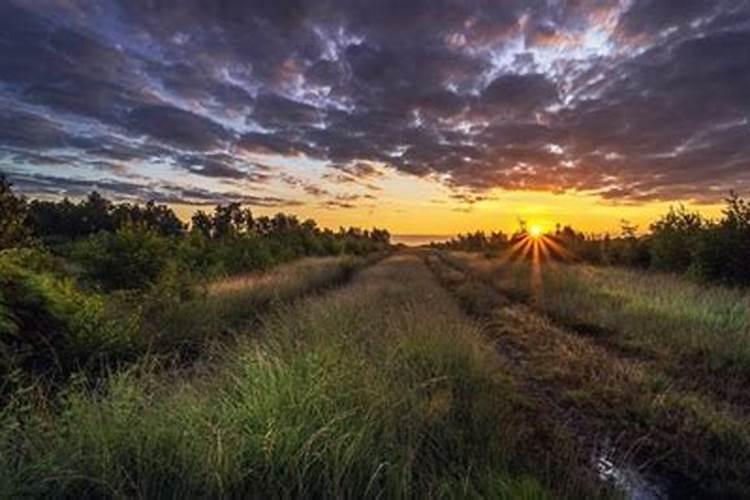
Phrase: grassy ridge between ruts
(619, 364)
(231, 305)
(52, 330)
(668, 319)
(381, 388)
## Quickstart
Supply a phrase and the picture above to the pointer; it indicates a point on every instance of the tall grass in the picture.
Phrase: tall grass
(380, 389)
(662, 314)
(228, 305)
(661, 410)
(52, 329)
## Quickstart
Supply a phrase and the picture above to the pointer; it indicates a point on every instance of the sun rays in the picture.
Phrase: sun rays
(537, 247)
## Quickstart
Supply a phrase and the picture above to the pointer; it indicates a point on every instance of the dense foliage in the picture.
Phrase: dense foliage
(13, 227)
(124, 246)
(49, 326)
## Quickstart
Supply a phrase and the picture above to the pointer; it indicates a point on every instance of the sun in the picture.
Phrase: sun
(536, 231)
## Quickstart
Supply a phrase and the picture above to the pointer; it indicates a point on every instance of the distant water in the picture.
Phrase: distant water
(414, 240)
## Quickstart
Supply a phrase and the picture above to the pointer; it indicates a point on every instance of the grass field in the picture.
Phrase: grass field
(656, 315)
(232, 304)
(428, 374)
(654, 360)
(380, 388)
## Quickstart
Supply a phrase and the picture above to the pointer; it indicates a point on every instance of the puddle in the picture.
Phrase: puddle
(627, 478)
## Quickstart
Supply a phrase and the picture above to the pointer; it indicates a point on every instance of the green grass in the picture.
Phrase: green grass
(379, 389)
(662, 408)
(51, 329)
(228, 306)
(656, 313)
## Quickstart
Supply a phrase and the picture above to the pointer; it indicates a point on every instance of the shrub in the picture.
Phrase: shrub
(249, 253)
(48, 326)
(13, 214)
(722, 250)
(673, 239)
(131, 258)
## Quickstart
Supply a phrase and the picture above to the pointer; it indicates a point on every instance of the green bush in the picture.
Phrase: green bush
(50, 327)
(722, 250)
(248, 253)
(673, 239)
(132, 258)
(13, 217)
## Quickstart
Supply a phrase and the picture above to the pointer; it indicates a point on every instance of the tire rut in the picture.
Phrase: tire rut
(530, 345)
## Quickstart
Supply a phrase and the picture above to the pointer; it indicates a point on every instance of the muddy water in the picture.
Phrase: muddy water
(632, 482)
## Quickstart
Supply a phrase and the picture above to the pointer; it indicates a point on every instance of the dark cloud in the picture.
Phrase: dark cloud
(270, 143)
(28, 130)
(645, 103)
(118, 190)
(336, 204)
(346, 200)
(469, 198)
(360, 173)
(306, 186)
(652, 16)
(89, 98)
(177, 126)
(197, 84)
(222, 166)
(361, 170)
(276, 112)
(518, 94)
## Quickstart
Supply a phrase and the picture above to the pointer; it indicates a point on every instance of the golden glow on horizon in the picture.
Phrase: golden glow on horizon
(536, 231)
(419, 207)
(409, 205)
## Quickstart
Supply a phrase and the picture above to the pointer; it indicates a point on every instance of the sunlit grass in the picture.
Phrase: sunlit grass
(381, 389)
(230, 304)
(660, 313)
(658, 403)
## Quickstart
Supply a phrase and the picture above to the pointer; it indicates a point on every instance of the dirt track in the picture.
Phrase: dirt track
(627, 418)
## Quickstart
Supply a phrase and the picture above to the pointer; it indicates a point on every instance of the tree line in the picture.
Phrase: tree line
(131, 246)
(680, 241)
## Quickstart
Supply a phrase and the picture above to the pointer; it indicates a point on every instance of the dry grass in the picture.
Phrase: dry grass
(660, 315)
(607, 392)
(281, 277)
(230, 306)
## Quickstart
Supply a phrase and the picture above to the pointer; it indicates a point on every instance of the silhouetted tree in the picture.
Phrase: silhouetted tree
(159, 218)
(95, 214)
(13, 229)
(202, 224)
(248, 220)
(722, 250)
(673, 239)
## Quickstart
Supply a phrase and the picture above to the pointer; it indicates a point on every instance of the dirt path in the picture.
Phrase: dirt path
(636, 427)
(686, 374)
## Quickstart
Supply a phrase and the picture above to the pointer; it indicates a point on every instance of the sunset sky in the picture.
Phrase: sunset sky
(422, 116)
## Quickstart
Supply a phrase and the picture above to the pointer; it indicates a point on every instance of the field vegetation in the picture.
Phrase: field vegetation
(238, 357)
(657, 315)
(92, 287)
(382, 388)
(652, 361)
